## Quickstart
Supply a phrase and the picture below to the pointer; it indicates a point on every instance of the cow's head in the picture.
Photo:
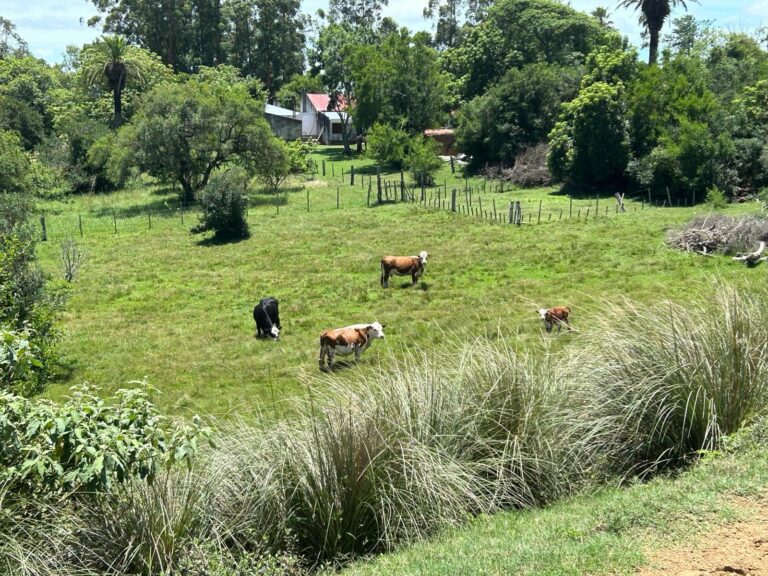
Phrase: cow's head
(275, 331)
(375, 330)
(423, 256)
(543, 313)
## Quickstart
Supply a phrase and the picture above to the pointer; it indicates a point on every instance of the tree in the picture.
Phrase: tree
(602, 15)
(223, 204)
(451, 14)
(114, 62)
(265, 39)
(187, 130)
(11, 44)
(289, 96)
(357, 14)
(653, 15)
(271, 162)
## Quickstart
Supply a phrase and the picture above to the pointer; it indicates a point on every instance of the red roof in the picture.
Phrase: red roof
(320, 102)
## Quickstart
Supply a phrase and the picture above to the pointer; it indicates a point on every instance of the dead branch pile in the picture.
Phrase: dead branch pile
(529, 171)
(717, 233)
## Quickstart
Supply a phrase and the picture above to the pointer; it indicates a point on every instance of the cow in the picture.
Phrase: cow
(557, 315)
(344, 341)
(267, 318)
(403, 266)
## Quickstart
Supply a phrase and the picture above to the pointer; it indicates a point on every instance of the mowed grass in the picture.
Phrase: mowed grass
(154, 301)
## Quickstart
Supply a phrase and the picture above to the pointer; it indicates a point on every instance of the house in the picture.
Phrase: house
(319, 122)
(285, 124)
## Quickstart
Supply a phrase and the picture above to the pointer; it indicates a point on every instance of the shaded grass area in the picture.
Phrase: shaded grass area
(602, 533)
(154, 302)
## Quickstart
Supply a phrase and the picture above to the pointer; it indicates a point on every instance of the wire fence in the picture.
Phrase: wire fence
(344, 189)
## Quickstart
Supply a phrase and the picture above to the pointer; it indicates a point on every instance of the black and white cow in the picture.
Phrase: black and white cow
(267, 318)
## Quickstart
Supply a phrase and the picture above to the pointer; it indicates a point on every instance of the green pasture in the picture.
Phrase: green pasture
(154, 301)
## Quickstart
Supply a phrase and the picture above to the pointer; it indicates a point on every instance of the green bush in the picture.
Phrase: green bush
(87, 443)
(422, 160)
(223, 205)
(716, 198)
(386, 144)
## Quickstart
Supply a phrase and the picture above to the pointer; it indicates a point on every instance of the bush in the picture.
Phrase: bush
(716, 198)
(386, 144)
(663, 383)
(223, 205)
(422, 160)
(274, 161)
(86, 443)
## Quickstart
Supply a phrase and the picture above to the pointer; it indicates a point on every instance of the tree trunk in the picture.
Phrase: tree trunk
(187, 191)
(653, 45)
(117, 98)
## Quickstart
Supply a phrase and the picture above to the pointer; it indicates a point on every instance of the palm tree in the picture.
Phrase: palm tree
(112, 62)
(654, 13)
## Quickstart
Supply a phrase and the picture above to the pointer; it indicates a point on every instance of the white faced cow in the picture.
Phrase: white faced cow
(345, 341)
(557, 315)
(267, 318)
(403, 266)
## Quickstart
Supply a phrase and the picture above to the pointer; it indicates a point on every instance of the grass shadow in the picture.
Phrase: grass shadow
(159, 207)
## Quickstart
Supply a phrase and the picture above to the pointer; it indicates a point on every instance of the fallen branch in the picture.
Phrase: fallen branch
(752, 258)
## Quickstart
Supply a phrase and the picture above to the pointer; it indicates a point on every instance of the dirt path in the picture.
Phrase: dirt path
(740, 548)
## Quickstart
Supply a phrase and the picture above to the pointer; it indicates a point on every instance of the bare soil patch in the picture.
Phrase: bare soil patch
(739, 549)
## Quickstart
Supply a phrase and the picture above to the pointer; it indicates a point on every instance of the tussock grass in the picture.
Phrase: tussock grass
(662, 383)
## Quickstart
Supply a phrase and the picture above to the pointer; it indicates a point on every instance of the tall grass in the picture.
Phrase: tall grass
(399, 455)
(660, 384)
(433, 439)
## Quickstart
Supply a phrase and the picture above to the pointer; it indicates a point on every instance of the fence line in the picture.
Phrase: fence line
(476, 202)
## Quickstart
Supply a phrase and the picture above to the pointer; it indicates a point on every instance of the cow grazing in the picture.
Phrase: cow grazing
(557, 315)
(267, 318)
(403, 266)
(345, 341)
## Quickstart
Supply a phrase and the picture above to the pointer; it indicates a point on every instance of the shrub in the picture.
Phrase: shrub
(223, 205)
(71, 258)
(662, 383)
(273, 162)
(386, 144)
(422, 160)
(87, 443)
(716, 198)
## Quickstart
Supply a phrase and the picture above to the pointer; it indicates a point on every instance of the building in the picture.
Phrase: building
(285, 124)
(318, 122)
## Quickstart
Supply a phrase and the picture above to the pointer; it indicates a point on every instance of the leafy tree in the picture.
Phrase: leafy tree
(289, 96)
(518, 112)
(186, 131)
(223, 204)
(602, 15)
(520, 32)
(11, 44)
(357, 14)
(185, 33)
(451, 14)
(114, 62)
(273, 162)
(590, 144)
(265, 39)
(422, 160)
(387, 145)
(27, 86)
(653, 14)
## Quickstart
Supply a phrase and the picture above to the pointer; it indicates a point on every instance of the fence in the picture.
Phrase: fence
(343, 189)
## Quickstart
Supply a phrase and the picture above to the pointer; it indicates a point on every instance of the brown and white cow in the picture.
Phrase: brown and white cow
(403, 266)
(557, 315)
(344, 341)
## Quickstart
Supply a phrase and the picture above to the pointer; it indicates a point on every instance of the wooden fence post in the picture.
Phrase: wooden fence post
(307, 199)
(368, 202)
(323, 167)
(114, 220)
(149, 218)
(453, 200)
(337, 197)
(538, 219)
(570, 207)
(42, 225)
(80, 224)
(378, 184)
(453, 168)
(352, 176)
(181, 211)
(597, 205)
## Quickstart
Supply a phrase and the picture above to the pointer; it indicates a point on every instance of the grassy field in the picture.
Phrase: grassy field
(154, 301)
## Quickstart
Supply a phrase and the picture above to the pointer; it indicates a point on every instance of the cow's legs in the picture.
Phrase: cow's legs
(358, 351)
(414, 277)
(331, 356)
(385, 277)
(323, 353)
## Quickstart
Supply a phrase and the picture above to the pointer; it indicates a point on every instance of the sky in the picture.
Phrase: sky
(49, 26)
